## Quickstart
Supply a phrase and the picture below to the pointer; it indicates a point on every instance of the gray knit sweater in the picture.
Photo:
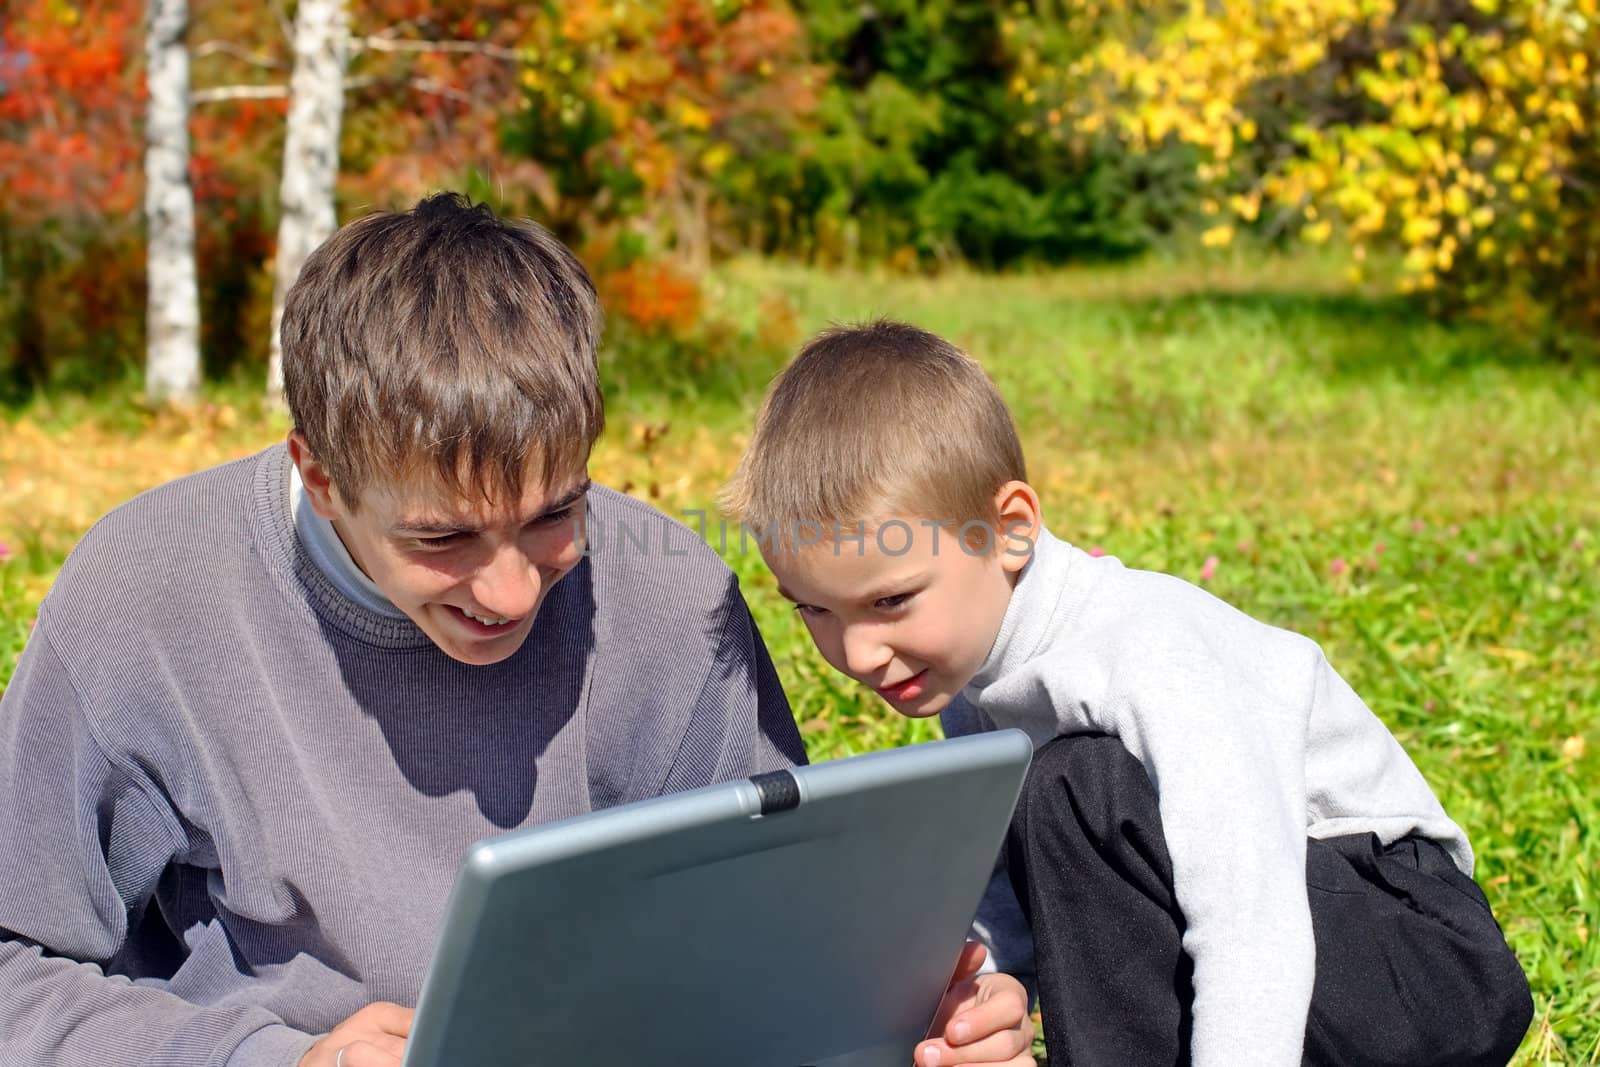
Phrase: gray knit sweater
(1253, 743)
(232, 800)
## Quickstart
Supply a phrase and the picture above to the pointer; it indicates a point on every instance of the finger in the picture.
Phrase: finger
(1004, 1011)
(366, 1054)
(973, 953)
(395, 1046)
(387, 1018)
(996, 1049)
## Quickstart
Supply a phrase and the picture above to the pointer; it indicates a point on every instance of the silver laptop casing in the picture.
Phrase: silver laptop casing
(693, 929)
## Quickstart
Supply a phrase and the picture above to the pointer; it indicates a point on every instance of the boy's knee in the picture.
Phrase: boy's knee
(1091, 780)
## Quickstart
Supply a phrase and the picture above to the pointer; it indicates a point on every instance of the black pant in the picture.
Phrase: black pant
(1411, 967)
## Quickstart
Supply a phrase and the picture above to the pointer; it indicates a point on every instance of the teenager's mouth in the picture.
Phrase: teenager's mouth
(909, 689)
(486, 624)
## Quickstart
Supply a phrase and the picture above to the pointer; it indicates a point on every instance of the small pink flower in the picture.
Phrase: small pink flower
(1379, 548)
(1427, 705)
(1454, 531)
(5, 551)
(1245, 545)
(1471, 557)
(1417, 526)
(1208, 570)
(1337, 566)
(1096, 551)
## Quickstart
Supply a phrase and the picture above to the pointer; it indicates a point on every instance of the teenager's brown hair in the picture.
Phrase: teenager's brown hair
(444, 341)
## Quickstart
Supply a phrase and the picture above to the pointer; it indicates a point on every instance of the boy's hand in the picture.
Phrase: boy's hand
(983, 1019)
(372, 1037)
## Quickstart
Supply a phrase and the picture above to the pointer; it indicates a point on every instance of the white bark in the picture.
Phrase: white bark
(310, 152)
(172, 321)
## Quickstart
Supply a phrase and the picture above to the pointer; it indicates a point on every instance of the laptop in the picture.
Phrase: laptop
(804, 918)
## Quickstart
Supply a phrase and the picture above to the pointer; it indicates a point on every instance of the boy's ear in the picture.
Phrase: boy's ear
(1021, 521)
(319, 486)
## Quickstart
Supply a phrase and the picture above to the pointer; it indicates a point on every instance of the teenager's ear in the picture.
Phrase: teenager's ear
(1021, 522)
(314, 476)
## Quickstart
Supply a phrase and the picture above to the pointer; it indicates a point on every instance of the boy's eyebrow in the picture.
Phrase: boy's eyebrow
(894, 588)
(440, 527)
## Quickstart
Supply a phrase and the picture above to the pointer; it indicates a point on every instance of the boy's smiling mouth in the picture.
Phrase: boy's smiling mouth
(909, 689)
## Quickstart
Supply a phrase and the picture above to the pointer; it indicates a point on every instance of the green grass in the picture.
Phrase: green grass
(1420, 498)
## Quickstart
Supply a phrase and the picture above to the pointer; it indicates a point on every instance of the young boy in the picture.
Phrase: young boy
(1223, 855)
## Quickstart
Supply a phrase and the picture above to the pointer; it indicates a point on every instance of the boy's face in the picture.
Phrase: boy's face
(914, 626)
(470, 574)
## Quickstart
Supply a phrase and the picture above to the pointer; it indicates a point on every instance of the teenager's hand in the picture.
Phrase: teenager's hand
(983, 1019)
(375, 1036)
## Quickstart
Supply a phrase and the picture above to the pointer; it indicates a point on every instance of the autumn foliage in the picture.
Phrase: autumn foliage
(1453, 137)
(1460, 134)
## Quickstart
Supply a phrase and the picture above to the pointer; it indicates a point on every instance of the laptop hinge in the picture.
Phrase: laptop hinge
(779, 791)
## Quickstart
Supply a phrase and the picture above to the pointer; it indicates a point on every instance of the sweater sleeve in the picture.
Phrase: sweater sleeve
(84, 840)
(1232, 800)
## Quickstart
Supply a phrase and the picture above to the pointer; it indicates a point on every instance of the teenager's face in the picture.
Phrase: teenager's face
(471, 574)
(914, 626)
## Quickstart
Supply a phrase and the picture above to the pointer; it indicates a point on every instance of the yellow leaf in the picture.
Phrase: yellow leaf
(1217, 236)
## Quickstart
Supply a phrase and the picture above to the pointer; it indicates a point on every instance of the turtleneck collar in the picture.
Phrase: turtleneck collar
(1031, 613)
(323, 544)
(288, 552)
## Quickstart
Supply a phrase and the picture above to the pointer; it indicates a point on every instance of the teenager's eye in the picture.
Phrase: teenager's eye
(555, 518)
(808, 609)
(441, 541)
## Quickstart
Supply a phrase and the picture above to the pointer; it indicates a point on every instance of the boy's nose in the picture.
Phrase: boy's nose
(864, 655)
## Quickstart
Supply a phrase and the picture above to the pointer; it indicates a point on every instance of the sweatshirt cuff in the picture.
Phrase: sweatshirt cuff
(272, 1046)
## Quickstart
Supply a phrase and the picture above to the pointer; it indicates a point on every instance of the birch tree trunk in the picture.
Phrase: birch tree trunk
(310, 153)
(172, 320)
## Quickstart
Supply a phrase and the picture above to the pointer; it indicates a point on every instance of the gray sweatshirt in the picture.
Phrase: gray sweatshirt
(233, 799)
(1253, 743)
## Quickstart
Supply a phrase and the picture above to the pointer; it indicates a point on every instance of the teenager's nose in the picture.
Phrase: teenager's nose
(509, 585)
(864, 654)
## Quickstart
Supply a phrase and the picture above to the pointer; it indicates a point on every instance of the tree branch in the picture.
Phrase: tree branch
(389, 44)
(207, 48)
(265, 92)
(438, 88)
(239, 92)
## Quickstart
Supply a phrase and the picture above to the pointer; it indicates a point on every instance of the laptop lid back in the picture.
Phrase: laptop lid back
(799, 918)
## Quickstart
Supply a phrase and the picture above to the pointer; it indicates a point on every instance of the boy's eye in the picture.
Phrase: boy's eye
(809, 609)
(441, 541)
(892, 601)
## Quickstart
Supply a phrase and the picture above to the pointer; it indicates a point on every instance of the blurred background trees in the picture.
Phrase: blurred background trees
(1450, 137)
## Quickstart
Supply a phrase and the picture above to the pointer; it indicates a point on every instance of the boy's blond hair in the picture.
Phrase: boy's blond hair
(444, 342)
(871, 422)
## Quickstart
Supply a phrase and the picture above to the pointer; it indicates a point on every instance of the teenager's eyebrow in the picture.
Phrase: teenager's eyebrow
(430, 527)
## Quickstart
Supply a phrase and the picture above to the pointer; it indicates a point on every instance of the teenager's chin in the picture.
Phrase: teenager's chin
(476, 650)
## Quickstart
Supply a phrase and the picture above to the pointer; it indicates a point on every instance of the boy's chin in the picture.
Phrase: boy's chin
(924, 707)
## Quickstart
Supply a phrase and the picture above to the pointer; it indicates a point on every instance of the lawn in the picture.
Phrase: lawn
(1419, 498)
